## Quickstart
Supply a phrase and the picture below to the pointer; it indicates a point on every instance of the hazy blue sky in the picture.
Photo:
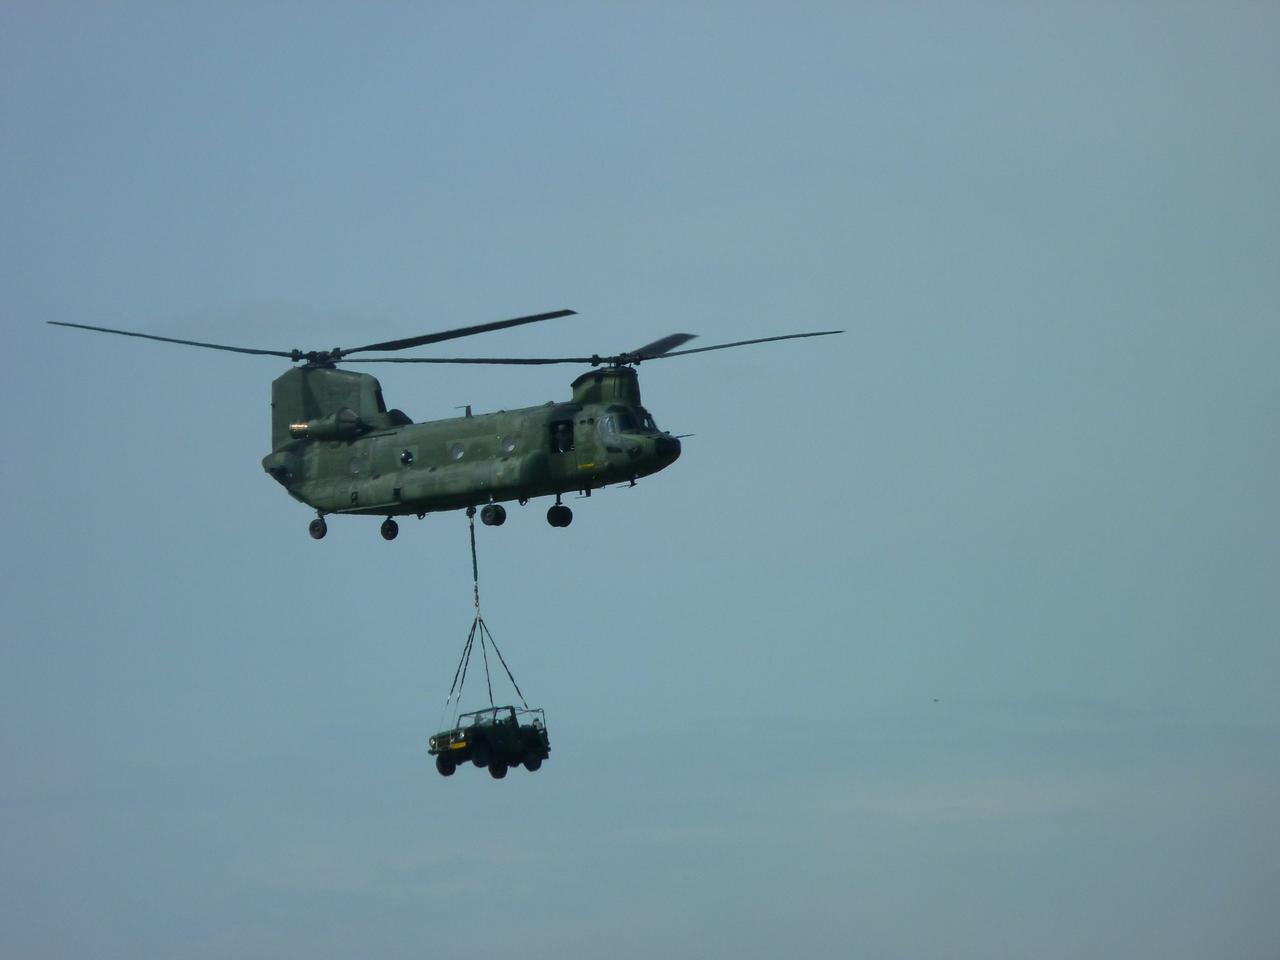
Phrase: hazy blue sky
(953, 637)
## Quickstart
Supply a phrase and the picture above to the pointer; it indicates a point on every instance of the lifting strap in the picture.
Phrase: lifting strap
(478, 629)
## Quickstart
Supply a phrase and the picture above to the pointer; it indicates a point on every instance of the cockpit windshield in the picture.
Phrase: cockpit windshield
(624, 421)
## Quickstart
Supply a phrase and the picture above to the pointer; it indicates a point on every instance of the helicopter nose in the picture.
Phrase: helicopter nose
(667, 448)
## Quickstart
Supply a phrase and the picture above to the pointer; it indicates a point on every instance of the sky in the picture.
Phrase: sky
(953, 636)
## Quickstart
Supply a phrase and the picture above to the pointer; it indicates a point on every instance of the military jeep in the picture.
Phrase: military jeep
(496, 737)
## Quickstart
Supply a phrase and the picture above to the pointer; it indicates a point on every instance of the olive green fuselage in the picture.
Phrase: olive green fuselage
(337, 448)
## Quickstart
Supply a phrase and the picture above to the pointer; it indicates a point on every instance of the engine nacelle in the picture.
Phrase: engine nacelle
(343, 425)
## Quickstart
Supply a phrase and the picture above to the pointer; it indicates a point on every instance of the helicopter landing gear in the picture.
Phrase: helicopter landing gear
(389, 529)
(559, 515)
(318, 528)
(493, 515)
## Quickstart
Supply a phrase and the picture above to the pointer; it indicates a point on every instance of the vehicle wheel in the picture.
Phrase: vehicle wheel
(445, 765)
(493, 515)
(532, 762)
(480, 755)
(559, 515)
(318, 528)
(390, 529)
(497, 769)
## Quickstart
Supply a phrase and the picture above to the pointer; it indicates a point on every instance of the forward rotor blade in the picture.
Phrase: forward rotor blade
(743, 343)
(665, 345)
(190, 343)
(426, 338)
(536, 361)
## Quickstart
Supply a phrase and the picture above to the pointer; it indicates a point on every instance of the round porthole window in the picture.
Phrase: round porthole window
(508, 444)
(406, 457)
(457, 451)
(354, 466)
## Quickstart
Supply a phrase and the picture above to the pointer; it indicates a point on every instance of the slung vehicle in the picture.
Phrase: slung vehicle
(496, 737)
(337, 448)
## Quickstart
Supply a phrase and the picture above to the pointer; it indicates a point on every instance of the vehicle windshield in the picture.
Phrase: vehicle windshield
(492, 715)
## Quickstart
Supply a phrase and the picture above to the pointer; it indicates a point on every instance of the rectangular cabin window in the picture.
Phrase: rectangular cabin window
(561, 436)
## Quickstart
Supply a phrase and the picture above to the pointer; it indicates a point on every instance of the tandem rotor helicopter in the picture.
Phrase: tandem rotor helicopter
(337, 448)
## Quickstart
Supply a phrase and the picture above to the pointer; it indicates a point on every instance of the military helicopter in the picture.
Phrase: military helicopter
(337, 448)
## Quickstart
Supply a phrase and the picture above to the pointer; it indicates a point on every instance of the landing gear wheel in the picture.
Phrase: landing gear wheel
(493, 515)
(445, 765)
(497, 769)
(390, 529)
(559, 516)
(318, 528)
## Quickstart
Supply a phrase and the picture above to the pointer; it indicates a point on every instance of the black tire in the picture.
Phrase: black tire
(389, 529)
(497, 769)
(532, 762)
(318, 528)
(559, 515)
(480, 755)
(445, 765)
(493, 515)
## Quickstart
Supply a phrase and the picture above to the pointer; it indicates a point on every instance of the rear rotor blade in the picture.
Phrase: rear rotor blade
(426, 338)
(190, 343)
(647, 352)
